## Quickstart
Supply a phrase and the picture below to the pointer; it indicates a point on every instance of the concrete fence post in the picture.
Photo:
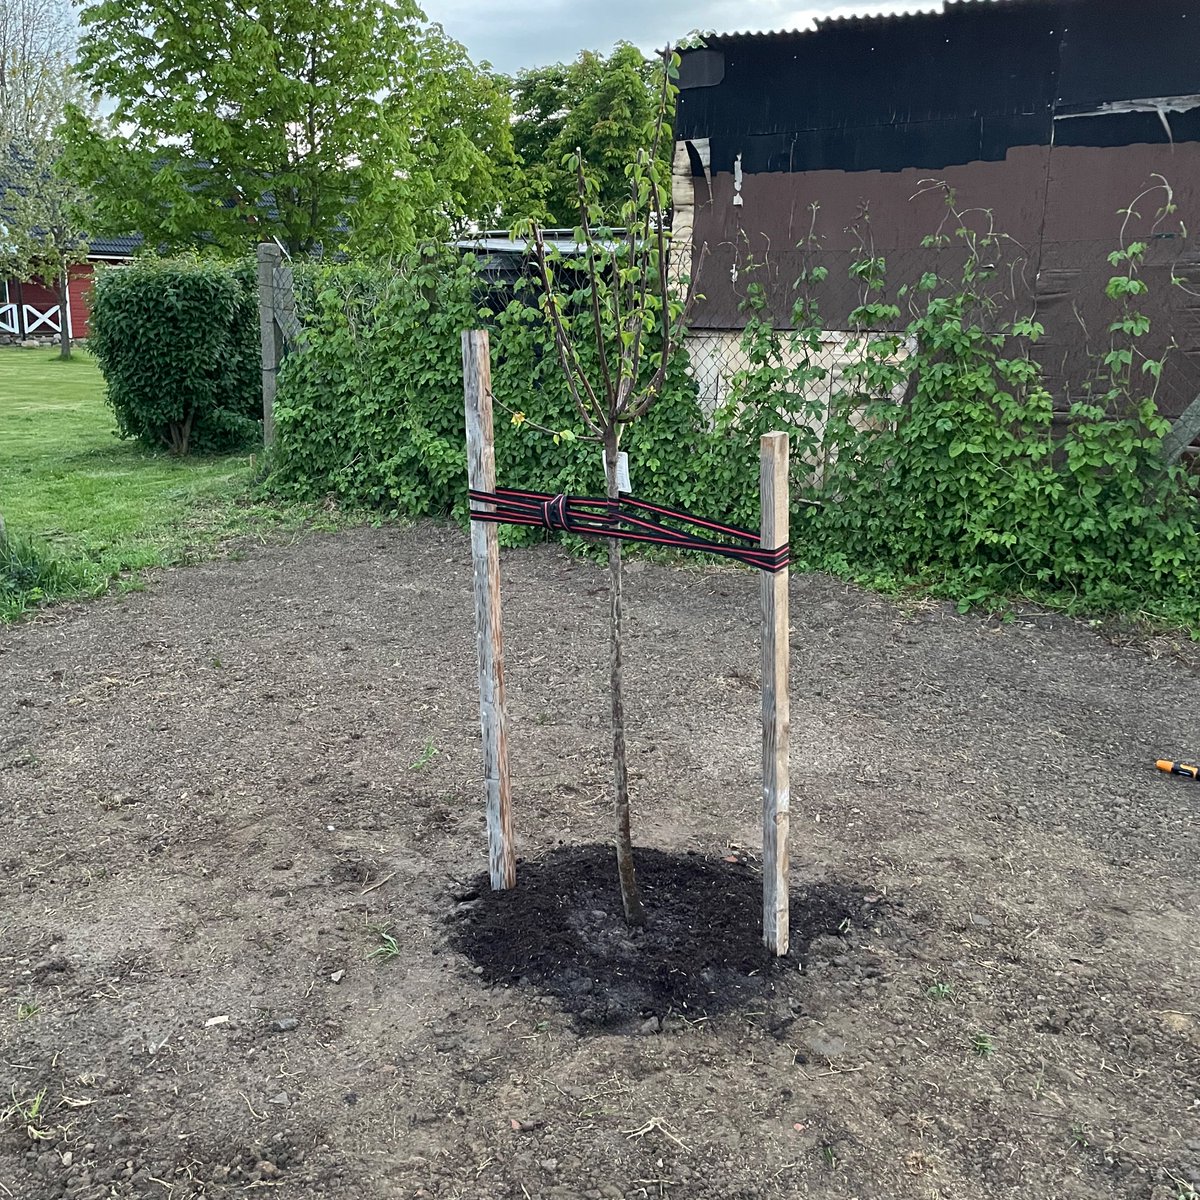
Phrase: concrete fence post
(270, 257)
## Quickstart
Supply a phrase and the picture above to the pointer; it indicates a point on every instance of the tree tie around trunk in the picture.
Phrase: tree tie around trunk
(628, 519)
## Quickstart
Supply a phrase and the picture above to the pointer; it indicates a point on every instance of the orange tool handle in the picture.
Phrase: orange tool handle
(1174, 768)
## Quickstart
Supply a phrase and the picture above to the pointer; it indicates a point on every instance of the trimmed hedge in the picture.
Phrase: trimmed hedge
(370, 407)
(178, 343)
(932, 452)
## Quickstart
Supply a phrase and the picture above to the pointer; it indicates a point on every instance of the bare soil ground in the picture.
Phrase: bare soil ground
(220, 796)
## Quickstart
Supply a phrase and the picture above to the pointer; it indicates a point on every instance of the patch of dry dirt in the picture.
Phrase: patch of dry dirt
(220, 796)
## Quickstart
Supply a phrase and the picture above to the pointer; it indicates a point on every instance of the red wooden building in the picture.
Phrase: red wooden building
(30, 309)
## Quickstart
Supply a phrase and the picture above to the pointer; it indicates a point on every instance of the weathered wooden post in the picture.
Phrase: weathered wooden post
(485, 552)
(775, 701)
(1181, 433)
(269, 259)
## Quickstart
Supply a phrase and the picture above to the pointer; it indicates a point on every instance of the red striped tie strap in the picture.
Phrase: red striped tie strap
(628, 519)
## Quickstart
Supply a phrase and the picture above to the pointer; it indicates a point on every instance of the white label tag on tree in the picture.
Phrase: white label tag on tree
(622, 471)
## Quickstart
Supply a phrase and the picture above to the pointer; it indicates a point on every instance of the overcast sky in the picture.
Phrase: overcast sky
(527, 33)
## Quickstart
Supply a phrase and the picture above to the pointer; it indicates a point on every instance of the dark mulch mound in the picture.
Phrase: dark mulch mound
(561, 930)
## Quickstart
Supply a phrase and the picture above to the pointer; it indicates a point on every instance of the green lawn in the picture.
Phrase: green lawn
(103, 506)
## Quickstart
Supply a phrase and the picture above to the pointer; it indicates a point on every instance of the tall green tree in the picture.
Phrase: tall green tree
(598, 105)
(313, 121)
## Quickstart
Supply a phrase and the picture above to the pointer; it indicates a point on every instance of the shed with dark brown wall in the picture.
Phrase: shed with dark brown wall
(1052, 115)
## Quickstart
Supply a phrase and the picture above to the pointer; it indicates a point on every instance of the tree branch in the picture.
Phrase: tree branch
(568, 356)
(594, 284)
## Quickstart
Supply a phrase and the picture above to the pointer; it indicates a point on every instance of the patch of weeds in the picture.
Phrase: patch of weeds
(31, 573)
(1079, 1136)
(388, 947)
(29, 1113)
(427, 755)
(982, 1045)
(942, 990)
(829, 1155)
(27, 1009)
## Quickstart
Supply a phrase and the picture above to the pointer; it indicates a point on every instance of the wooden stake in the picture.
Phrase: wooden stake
(775, 701)
(485, 553)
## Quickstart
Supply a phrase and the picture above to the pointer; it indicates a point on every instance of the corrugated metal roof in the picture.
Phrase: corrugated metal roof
(115, 247)
(869, 15)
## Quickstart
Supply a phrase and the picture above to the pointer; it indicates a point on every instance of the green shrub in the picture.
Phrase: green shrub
(30, 573)
(370, 407)
(931, 456)
(178, 343)
(941, 463)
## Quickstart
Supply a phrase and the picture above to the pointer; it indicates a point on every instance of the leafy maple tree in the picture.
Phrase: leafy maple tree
(313, 121)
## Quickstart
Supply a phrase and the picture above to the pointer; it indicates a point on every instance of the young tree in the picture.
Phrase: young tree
(633, 321)
(46, 216)
(37, 45)
(43, 215)
(600, 106)
(310, 120)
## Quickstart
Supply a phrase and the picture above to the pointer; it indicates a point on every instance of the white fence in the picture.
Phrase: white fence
(33, 320)
(42, 320)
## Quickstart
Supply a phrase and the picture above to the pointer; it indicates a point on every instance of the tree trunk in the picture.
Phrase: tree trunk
(64, 300)
(634, 914)
(187, 433)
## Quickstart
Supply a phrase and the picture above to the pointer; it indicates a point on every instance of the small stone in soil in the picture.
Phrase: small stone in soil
(284, 1025)
(650, 1025)
(824, 1045)
(337, 976)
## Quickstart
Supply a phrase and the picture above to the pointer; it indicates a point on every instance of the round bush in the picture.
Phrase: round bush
(178, 342)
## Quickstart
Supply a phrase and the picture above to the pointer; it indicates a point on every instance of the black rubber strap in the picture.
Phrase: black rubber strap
(628, 519)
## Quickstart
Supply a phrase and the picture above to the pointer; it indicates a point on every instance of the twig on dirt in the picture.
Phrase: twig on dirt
(255, 1115)
(832, 1071)
(385, 879)
(652, 1124)
(6, 1191)
(661, 1184)
(786, 1167)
